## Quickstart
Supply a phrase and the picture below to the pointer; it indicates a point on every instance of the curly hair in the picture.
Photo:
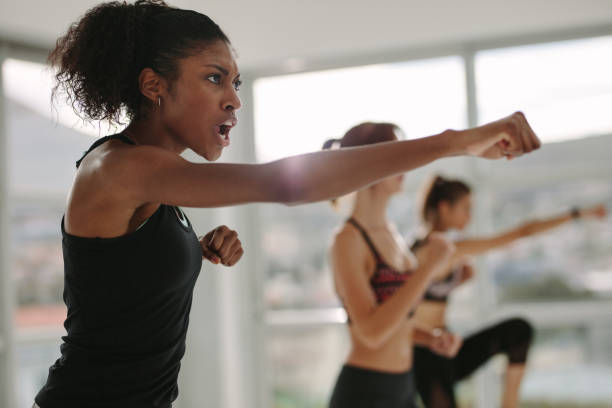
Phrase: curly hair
(100, 57)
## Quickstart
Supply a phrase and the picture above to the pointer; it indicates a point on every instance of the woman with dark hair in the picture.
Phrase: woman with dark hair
(131, 256)
(380, 285)
(447, 206)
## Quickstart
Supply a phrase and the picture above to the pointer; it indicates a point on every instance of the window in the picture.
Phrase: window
(296, 114)
(41, 160)
(565, 88)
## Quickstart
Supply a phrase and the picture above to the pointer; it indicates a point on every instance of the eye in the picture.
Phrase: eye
(237, 84)
(214, 78)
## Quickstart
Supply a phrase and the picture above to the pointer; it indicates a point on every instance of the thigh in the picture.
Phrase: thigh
(478, 348)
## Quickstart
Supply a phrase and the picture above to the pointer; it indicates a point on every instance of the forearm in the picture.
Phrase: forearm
(479, 246)
(329, 174)
(538, 226)
(387, 317)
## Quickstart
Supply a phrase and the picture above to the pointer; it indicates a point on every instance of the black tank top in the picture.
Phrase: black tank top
(128, 302)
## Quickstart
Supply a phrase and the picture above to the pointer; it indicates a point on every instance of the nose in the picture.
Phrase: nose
(232, 100)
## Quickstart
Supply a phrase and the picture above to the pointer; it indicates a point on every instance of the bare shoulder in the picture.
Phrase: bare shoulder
(117, 169)
(348, 248)
(347, 237)
(117, 159)
(106, 196)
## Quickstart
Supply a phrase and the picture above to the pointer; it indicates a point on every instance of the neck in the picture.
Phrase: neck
(437, 227)
(370, 208)
(148, 132)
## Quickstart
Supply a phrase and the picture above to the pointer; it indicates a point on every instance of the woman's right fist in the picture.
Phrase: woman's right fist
(599, 211)
(508, 137)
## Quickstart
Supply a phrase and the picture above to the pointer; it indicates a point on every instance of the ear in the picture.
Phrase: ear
(151, 85)
(443, 208)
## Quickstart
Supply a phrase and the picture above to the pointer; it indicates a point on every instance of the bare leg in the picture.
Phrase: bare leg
(514, 376)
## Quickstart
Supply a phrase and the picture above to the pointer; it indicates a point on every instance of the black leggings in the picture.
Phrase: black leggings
(362, 388)
(436, 376)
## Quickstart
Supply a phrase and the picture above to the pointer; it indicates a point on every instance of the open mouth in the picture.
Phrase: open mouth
(223, 131)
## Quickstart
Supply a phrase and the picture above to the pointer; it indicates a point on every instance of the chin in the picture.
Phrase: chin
(212, 155)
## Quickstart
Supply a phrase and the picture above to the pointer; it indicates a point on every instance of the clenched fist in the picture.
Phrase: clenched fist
(509, 137)
(222, 245)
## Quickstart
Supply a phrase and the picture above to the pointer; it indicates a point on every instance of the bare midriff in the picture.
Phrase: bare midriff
(431, 314)
(394, 355)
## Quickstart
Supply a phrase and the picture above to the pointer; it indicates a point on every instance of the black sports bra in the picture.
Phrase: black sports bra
(440, 290)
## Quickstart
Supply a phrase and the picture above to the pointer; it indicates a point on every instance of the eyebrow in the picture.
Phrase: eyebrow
(220, 68)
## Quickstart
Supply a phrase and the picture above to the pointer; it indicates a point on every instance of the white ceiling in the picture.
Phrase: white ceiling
(268, 32)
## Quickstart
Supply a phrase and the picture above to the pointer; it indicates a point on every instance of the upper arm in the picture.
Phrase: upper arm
(349, 262)
(149, 174)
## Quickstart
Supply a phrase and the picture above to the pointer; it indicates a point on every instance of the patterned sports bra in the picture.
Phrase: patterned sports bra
(386, 280)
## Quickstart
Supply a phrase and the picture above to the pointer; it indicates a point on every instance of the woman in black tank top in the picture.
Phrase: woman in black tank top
(131, 256)
(446, 206)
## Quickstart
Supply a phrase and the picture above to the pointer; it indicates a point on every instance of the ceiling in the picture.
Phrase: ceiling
(271, 32)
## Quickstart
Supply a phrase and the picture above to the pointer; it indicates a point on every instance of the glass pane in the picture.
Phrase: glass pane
(304, 363)
(41, 166)
(295, 243)
(573, 261)
(565, 88)
(422, 97)
(297, 113)
(570, 368)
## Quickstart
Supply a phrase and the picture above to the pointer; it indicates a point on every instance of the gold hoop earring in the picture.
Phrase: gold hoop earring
(159, 101)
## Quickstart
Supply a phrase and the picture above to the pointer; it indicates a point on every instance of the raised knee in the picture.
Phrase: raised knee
(522, 330)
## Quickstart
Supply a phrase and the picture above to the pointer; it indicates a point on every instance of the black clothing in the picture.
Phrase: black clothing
(128, 302)
(363, 388)
(435, 375)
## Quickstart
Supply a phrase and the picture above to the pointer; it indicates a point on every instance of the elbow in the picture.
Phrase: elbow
(289, 187)
(289, 193)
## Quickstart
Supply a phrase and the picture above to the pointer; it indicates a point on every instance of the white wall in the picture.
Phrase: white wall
(268, 32)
